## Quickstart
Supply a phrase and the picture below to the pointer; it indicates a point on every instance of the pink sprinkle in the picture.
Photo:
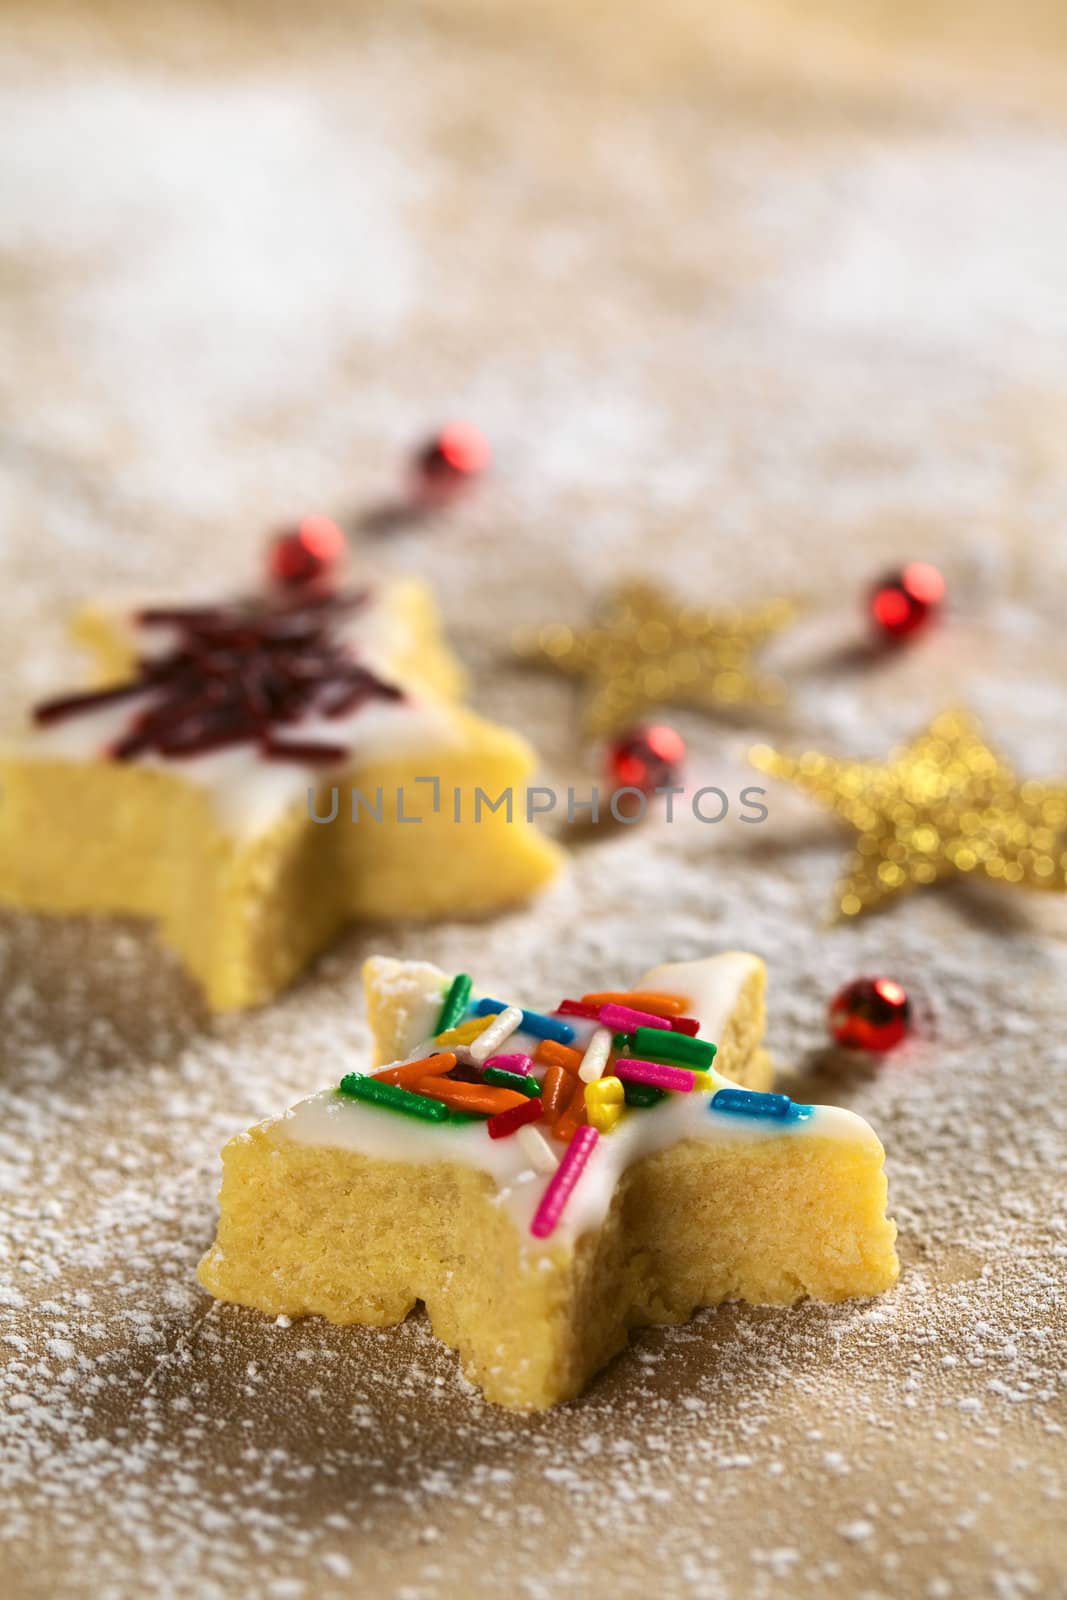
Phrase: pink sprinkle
(622, 1020)
(562, 1181)
(653, 1072)
(577, 1008)
(511, 1063)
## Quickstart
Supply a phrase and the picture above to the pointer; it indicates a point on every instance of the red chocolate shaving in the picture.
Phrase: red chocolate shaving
(237, 674)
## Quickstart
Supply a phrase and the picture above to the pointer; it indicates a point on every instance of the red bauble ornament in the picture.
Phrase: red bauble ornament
(307, 553)
(452, 460)
(870, 1014)
(904, 601)
(646, 758)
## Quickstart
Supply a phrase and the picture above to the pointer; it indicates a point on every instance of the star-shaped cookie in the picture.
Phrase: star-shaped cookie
(545, 1181)
(253, 774)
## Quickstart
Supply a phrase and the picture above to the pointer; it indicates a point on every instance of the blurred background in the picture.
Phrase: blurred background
(745, 280)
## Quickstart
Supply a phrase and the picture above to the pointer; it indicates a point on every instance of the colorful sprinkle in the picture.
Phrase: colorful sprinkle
(643, 1095)
(654, 1073)
(624, 1019)
(413, 1072)
(465, 1032)
(534, 1022)
(751, 1103)
(654, 1042)
(686, 1025)
(605, 1101)
(572, 1116)
(498, 1032)
(561, 1184)
(512, 1063)
(660, 1005)
(511, 1080)
(578, 1008)
(472, 1096)
(357, 1087)
(508, 1122)
(455, 1002)
(556, 1091)
(596, 1056)
(552, 1054)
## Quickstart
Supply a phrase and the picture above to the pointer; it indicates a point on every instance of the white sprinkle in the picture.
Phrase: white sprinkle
(503, 1025)
(596, 1056)
(536, 1148)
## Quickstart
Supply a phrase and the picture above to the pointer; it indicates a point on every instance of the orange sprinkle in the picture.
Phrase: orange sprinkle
(413, 1072)
(554, 1054)
(556, 1091)
(566, 1126)
(650, 1000)
(472, 1096)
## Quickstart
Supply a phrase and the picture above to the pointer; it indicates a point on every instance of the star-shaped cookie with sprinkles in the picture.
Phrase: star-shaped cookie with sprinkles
(544, 1181)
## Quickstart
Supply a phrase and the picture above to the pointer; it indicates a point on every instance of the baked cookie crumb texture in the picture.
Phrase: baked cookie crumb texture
(546, 1181)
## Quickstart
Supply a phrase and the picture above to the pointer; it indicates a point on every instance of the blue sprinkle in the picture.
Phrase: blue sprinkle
(534, 1022)
(750, 1103)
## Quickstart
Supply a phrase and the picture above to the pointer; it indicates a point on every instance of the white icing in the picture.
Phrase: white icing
(331, 1119)
(414, 990)
(250, 794)
(711, 986)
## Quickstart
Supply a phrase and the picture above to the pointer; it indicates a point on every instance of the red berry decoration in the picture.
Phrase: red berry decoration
(905, 601)
(311, 551)
(452, 460)
(647, 758)
(870, 1014)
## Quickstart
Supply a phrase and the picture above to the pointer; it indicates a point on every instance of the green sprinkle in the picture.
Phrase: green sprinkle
(467, 1116)
(643, 1094)
(503, 1079)
(390, 1095)
(620, 1041)
(658, 1044)
(455, 1002)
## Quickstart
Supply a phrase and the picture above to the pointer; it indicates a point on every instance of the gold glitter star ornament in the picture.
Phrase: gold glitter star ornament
(647, 649)
(941, 806)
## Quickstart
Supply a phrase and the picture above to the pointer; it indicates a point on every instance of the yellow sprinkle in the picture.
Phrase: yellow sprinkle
(606, 1092)
(466, 1031)
(605, 1100)
(604, 1118)
(704, 1081)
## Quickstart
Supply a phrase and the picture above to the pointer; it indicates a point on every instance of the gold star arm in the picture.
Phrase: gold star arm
(649, 650)
(941, 806)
